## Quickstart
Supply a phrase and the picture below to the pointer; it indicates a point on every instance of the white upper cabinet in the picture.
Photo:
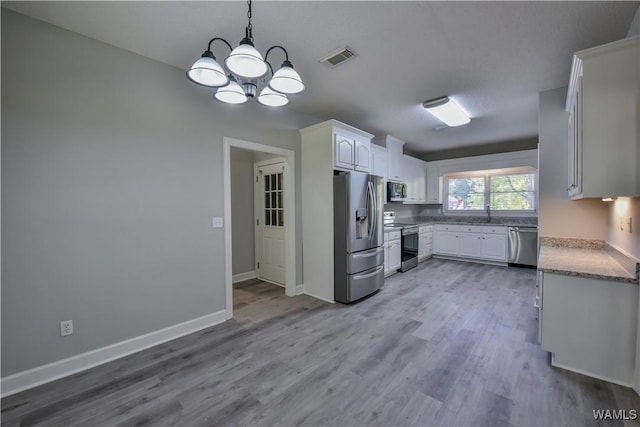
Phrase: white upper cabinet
(351, 151)
(415, 176)
(603, 103)
(344, 152)
(379, 161)
(394, 156)
(434, 185)
(380, 165)
(362, 150)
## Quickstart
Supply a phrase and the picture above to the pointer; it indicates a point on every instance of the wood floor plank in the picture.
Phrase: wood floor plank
(447, 343)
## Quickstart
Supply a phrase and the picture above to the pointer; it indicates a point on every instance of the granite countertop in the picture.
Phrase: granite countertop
(504, 221)
(586, 258)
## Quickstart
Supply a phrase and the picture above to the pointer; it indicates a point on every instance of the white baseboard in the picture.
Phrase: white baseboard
(46, 373)
(300, 289)
(241, 277)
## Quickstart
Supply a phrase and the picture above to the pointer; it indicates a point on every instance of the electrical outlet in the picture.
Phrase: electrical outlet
(217, 222)
(66, 328)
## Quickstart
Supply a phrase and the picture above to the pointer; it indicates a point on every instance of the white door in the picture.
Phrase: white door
(270, 221)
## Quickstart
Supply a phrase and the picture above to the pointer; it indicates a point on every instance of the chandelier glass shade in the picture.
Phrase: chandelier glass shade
(207, 72)
(272, 98)
(244, 69)
(231, 93)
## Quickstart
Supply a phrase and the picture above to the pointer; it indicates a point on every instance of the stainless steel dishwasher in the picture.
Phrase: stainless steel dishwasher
(523, 246)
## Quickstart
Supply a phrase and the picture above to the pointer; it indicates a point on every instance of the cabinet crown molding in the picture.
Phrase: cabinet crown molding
(337, 124)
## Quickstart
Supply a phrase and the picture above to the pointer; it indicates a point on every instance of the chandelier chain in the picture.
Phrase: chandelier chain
(249, 26)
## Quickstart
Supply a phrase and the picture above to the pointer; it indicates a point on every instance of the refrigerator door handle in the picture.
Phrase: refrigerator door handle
(364, 276)
(372, 214)
(366, 254)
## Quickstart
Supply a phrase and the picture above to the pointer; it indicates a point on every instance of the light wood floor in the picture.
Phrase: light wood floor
(446, 343)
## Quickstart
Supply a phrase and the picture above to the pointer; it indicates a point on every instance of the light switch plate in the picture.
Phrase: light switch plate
(217, 222)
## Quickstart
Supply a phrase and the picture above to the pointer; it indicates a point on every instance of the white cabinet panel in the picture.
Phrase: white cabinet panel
(603, 131)
(380, 165)
(394, 150)
(392, 252)
(351, 153)
(470, 245)
(494, 247)
(425, 245)
(387, 257)
(415, 176)
(434, 186)
(344, 149)
(362, 160)
(395, 256)
(447, 243)
(590, 325)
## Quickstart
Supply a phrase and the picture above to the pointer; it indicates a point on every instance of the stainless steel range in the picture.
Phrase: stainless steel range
(409, 240)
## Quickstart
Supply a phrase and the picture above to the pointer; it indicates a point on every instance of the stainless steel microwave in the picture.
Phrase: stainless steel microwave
(396, 191)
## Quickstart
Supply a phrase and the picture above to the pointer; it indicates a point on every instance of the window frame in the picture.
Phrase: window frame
(487, 192)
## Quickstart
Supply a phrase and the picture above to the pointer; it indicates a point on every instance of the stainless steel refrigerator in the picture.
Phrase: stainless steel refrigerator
(358, 240)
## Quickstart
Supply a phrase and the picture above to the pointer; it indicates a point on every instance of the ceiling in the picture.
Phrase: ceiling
(492, 57)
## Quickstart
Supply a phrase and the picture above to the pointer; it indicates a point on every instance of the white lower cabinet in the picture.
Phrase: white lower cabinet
(589, 325)
(392, 252)
(446, 243)
(494, 247)
(471, 241)
(425, 242)
(470, 245)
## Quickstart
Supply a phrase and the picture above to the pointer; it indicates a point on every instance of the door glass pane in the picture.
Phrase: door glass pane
(273, 182)
(280, 205)
(274, 220)
(280, 218)
(266, 183)
(279, 181)
(273, 200)
(267, 200)
(267, 217)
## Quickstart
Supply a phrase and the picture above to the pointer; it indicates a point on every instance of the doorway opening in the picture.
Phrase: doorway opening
(274, 241)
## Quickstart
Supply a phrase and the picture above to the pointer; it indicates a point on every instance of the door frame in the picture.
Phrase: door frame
(289, 210)
(257, 200)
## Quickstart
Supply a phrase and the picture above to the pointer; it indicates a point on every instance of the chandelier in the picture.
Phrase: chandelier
(243, 69)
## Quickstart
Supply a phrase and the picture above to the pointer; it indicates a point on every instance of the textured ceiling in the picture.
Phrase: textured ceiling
(493, 57)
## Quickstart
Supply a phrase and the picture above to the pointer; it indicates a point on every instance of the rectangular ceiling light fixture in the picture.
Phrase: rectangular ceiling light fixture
(447, 111)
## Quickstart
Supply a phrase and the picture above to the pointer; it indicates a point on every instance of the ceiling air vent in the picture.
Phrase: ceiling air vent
(338, 57)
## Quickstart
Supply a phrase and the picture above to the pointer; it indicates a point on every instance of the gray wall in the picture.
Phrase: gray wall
(558, 215)
(480, 150)
(634, 28)
(243, 230)
(111, 171)
(618, 228)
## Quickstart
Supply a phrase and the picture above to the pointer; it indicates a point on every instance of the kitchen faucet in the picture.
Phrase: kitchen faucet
(488, 213)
